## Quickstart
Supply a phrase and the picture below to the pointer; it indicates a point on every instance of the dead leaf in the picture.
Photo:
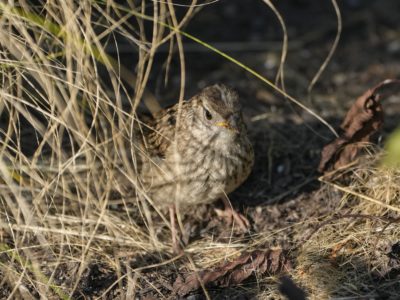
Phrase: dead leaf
(363, 119)
(236, 271)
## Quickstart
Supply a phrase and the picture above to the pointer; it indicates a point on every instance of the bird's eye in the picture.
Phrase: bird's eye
(207, 114)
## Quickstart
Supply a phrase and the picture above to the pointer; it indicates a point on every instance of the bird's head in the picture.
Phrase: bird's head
(218, 112)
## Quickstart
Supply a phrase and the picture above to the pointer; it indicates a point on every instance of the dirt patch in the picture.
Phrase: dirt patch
(284, 200)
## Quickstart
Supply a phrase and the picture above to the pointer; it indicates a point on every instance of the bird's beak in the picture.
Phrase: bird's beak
(228, 126)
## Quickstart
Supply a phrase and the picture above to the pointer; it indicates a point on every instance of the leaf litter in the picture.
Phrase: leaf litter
(364, 118)
(257, 262)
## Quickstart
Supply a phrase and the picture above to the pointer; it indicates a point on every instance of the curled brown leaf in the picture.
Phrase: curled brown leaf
(236, 271)
(362, 120)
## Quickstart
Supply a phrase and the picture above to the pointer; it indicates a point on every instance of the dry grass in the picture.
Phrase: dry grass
(349, 253)
(67, 112)
(67, 170)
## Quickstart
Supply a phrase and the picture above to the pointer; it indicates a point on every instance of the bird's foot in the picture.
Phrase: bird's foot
(179, 241)
(180, 236)
(233, 217)
(177, 248)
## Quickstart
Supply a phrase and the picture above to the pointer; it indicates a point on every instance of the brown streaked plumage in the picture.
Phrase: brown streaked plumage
(199, 153)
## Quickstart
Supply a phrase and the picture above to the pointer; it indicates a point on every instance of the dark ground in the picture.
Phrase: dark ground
(283, 188)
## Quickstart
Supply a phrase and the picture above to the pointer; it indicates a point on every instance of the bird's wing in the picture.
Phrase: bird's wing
(159, 132)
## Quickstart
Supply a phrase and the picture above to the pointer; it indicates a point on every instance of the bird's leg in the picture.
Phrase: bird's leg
(176, 245)
(232, 216)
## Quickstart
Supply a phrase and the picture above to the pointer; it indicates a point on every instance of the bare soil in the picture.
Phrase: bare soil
(283, 188)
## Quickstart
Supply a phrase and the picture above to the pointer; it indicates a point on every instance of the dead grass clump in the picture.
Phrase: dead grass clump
(68, 192)
(351, 252)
